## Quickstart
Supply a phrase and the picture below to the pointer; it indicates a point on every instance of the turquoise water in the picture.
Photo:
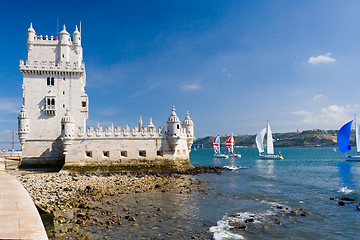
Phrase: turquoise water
(267, 191)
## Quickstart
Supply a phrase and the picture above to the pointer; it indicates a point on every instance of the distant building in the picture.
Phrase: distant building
(52, 122)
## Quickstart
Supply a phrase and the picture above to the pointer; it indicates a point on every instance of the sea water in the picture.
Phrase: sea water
(287, 199)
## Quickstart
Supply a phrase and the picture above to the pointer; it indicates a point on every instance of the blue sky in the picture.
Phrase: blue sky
(232, 64)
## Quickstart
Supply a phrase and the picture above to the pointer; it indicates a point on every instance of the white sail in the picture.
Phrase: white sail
(357, 136)
(260, 140)
(270, 144)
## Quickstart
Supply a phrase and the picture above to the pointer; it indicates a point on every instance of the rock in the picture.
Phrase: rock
(347, 199)
(341, 203)
(358, 207)
(238, 225)
(159, 209)
(304, 214)
(293, 213)
(81, 215)
(249, 220)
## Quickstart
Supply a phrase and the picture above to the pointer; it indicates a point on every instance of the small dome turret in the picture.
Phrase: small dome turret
(30, 29)
(187, 121)
(173, 117)
(64, 37)
(67, 118)
(23, 114)
(77, 37)
(30, 37)
(151, 125)
(189, 126)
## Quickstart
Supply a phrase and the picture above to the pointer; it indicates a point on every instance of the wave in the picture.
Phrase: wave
(346, 190)
(223, 228)
(233, 168)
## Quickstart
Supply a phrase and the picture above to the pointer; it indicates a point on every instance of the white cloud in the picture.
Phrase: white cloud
(328, 117)
(191, 87)
(228, 74)
(317, 97)
(321, 59)
(301, 113)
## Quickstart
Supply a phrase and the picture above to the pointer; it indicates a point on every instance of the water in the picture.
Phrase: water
(267, 191)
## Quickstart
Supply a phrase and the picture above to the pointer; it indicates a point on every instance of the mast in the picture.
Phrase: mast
(357, 140)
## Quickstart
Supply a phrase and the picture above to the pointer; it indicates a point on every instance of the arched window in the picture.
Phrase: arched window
(48, 101)
(53, 102)
(48, 81)
(52, 81)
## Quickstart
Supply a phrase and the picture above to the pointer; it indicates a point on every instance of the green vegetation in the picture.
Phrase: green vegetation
(309, 138)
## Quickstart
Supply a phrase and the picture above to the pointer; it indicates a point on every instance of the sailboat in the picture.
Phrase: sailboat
(216, 145)
(230, 145)
(343, 140)
(270, 145)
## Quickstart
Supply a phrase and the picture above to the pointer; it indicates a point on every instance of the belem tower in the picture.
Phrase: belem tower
(52, 121)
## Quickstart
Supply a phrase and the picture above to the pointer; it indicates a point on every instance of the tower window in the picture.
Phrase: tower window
(178, 126)
(106, 154)
(88, 154)
(142, 153)
(83, 104)
(50, 106)
(50, 81)
(123, 153)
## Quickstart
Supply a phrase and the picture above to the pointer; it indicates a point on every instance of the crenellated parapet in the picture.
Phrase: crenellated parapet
(119, 132)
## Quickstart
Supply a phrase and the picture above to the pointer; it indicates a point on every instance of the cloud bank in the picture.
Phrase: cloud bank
(330, 116)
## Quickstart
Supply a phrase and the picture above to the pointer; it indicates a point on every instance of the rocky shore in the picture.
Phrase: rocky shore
(115, 205)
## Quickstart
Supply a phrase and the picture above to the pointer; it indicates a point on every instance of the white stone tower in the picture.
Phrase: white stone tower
(54, 81)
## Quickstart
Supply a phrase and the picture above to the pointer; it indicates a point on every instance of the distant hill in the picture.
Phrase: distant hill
(309, 138)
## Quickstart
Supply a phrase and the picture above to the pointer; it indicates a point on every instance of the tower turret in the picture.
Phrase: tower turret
(151, 125)
(64, 40)
(30, 37)
(77, 37)
(140, 124)
(189, 126)
(23, 125)
(77, 44)
(173, 129)
(67, 131)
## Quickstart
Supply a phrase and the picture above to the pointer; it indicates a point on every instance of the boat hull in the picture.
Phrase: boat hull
(353, 158)
(271, 157)
(220, 156)
(234, 155)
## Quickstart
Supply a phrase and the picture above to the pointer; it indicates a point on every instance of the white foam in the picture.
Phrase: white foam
(221, 230)
(346, 190)
(234, 167)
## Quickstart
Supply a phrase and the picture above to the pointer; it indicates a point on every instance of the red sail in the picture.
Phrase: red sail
(230, 144)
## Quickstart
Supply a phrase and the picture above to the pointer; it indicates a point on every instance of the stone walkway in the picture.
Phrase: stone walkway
(19, 218)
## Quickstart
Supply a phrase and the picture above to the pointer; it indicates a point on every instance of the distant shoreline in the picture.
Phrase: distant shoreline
(309, 138)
